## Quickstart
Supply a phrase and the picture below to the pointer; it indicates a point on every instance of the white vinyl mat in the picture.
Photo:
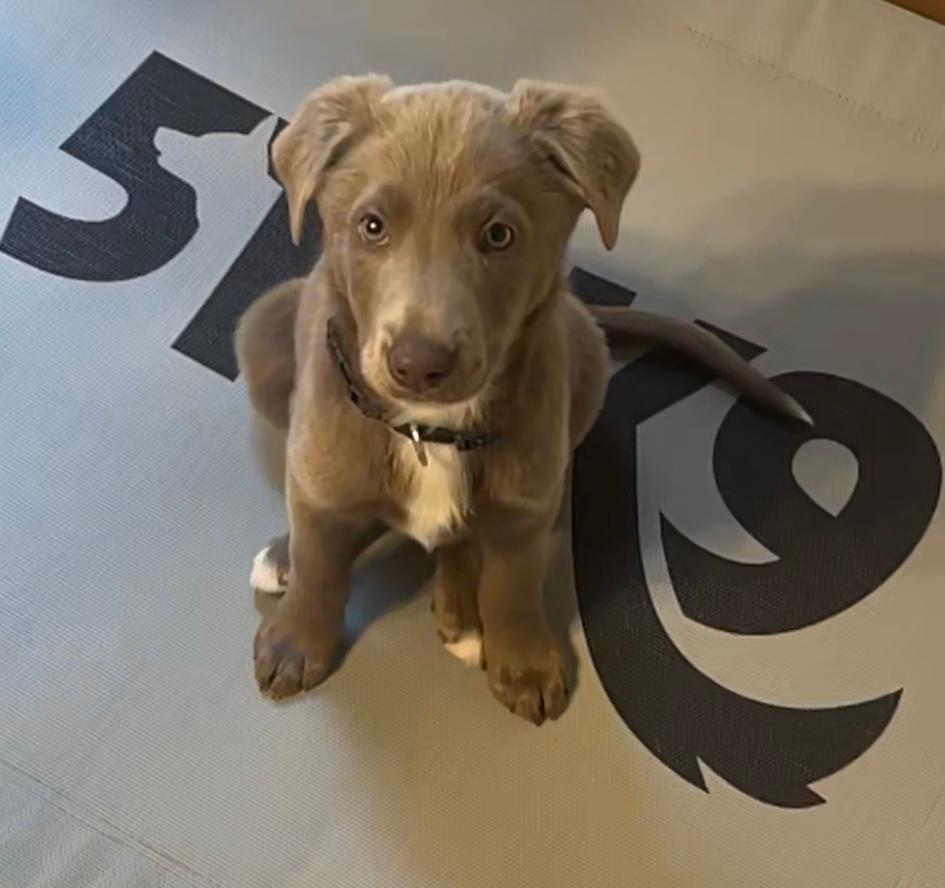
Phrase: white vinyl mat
(759, 613)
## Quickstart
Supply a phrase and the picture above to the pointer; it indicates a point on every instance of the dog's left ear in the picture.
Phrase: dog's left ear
(589, 150)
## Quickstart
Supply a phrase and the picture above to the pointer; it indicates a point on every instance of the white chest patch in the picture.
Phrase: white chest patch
(438, 499)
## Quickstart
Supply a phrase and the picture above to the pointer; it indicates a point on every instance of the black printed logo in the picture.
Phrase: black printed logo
(826, 563)
(160, 217)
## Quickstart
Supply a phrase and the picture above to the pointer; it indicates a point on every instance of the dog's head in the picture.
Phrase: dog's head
(446, 210)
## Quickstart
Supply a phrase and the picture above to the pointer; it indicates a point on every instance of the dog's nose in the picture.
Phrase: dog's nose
(418, 363)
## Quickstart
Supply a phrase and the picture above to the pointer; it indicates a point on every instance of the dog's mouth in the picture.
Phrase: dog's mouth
(452, 396)
(369, 383)
(463, 384)
(452, 422)
(443, 411)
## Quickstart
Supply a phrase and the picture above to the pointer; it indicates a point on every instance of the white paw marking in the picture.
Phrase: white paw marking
(264, 575)
(468, 649)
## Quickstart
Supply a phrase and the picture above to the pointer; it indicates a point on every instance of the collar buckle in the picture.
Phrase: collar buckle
(418, 447)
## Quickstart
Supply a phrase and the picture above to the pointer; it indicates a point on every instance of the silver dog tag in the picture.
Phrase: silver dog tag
(418, 445)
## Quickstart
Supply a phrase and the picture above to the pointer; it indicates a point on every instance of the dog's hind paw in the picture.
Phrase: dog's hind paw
(270, 572)
(467, 649)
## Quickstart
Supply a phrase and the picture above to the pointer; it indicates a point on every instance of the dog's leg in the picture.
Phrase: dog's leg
(299, 642)
(455, 605)
(524, 661)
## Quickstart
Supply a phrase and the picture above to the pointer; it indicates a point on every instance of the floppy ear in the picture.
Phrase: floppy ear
(591, 153)
(328, 122)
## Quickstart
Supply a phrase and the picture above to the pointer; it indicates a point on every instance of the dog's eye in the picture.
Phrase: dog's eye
(372, 228)
(497, 236)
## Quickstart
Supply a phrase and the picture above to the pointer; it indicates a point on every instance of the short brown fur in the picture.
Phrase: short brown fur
(438, 164)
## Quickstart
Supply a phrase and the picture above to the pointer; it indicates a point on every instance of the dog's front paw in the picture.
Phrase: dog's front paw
(530, 681)
(289, 660)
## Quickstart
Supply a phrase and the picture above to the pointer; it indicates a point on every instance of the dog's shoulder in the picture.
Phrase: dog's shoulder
(532, 416)
(588, 367)
(335, 454)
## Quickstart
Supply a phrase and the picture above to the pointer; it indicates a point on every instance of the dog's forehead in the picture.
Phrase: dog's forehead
(450, 134)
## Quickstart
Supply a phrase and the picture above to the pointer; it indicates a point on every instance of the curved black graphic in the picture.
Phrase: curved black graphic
(160, 216)
(825, 563)
(771, 753)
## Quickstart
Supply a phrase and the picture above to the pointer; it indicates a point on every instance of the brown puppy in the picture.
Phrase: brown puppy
(434, 373)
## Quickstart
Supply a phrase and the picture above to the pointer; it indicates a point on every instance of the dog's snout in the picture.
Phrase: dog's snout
(418, 363)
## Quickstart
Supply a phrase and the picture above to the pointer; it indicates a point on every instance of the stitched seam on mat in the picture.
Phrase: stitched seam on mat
(919, 135)
(908, 875)
(113, 833)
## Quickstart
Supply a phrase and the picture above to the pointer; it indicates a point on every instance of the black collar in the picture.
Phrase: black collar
(419, 433)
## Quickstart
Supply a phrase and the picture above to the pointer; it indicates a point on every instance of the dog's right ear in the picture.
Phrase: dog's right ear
(329, 121)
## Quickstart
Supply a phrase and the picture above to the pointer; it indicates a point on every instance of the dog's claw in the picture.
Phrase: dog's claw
(287, 664)
(535, 690)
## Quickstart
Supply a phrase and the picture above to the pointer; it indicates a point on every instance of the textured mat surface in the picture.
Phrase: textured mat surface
(757, 610)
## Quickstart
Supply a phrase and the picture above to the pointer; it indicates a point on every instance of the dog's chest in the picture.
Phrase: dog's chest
(436, 500)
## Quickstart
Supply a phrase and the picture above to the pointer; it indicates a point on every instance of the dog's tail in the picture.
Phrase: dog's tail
(623, 325)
